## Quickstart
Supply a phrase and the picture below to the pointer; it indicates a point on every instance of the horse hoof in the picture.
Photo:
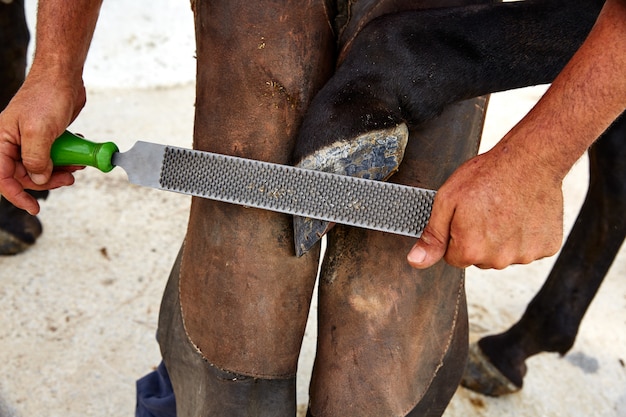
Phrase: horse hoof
(482, 376)
(374, 155)
(18, 229)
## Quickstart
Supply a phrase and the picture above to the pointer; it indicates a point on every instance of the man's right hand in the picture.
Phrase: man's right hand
(40, 111)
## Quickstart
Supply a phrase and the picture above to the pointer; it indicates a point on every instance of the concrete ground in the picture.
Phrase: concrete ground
(79, 309)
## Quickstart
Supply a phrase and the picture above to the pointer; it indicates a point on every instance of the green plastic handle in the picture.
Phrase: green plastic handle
(70, 149)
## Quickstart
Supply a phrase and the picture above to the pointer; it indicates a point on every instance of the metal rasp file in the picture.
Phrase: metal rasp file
(286, 189)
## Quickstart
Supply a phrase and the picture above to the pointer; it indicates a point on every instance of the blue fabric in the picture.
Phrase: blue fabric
(155, 396)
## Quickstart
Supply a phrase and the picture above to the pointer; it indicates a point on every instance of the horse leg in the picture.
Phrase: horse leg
(18, 229)
(406, 66)
(14, 38)
(551, 321)
(438, 57)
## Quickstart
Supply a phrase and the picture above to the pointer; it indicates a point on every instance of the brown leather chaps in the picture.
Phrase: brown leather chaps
(392, 340)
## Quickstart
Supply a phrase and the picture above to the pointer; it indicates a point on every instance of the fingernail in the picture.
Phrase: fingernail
(417, 255)
(39, 179)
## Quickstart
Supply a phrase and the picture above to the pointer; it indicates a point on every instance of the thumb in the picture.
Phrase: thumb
(36, 157)
(432, 245)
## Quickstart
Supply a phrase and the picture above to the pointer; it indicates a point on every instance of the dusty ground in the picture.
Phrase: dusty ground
(79, 309)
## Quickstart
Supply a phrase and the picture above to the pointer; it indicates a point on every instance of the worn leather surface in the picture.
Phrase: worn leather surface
(392, 341)
(245, 297)
(202, 389)
(385, 328)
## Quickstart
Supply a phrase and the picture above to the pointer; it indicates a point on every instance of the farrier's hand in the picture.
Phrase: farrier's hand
(497, 209)
(506, 206)
(40, 111)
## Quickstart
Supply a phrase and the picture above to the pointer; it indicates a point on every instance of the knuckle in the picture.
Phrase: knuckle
(526, 258)
(460, 258)
(34, 161)
(433, 237)
(499, 264)
(5, 136)
(554, 246)
(36, 128)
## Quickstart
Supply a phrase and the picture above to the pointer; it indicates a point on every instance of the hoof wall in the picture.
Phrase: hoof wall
(483, 377)
(18, 229)
(374, 155)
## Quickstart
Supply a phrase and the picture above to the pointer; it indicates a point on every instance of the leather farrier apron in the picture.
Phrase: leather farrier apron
(392, 340)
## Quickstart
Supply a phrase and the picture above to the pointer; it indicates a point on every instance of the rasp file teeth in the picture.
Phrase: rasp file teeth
(340, 199)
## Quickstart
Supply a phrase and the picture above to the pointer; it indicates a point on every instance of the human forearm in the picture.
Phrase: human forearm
(64, 33)
(586, 97)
